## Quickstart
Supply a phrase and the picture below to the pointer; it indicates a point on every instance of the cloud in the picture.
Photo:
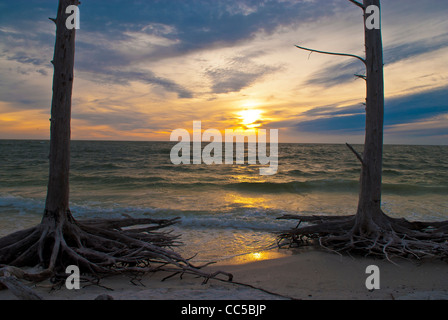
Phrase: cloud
(173, 29)
(337, 74)
(198, 24)
(125, 77)
(417, 106)
(124, 59)
(341, 73)
(395, 53)
(28, 48)
(343, 124)
(117, 38)
(398, 111)
(116, 119)
(431, 127)
(238, 73)
(24, 58)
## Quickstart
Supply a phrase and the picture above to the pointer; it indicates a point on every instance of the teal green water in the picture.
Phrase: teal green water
(226, 210)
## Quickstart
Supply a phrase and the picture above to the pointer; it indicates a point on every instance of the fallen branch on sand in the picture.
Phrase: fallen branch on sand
(388, 237)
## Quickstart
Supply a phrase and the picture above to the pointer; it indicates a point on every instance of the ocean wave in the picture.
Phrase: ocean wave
(259, 219)
(18, 205)
(298, 187)
(413, 189)
(392, 172)
(336, 185)
(105, 179)
(295, 186)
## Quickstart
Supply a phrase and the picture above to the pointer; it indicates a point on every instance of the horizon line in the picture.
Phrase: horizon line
(167, 141)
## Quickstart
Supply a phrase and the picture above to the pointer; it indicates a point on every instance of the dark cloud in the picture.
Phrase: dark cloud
(334, 111)
(400, 110)
(418, 106)
(124, 77)
(191, 25)
(342, 124)
(201, 23)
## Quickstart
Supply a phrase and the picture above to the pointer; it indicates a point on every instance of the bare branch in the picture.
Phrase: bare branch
(334, 53)
(361, 76)
(356, 154)
(358, 4)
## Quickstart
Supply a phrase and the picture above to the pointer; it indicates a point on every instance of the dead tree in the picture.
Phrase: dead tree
(370, 231)
(99, 246)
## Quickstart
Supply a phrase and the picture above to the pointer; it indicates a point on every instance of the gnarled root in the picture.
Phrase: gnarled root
(384, 237)
(97, 247)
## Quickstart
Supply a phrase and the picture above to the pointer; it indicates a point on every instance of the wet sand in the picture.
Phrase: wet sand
(308, 275)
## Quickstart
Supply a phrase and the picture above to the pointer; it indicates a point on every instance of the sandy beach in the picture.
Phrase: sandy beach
(308, 275)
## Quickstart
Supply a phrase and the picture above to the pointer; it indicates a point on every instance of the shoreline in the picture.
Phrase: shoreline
(310, 274)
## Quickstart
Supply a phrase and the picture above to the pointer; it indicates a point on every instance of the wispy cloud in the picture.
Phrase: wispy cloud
(238, 73)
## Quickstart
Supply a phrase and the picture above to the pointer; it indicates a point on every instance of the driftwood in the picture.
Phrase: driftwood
(19, 289)
(9, 278)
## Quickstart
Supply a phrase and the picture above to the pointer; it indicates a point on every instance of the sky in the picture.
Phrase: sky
(146, 68)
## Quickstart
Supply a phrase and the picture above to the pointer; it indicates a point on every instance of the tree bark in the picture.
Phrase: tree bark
(369, 205)
(370, 232)
(97, 246)
(57, 201)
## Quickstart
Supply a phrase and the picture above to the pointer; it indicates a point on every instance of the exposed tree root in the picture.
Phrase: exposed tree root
(97, 247)
(384, 237)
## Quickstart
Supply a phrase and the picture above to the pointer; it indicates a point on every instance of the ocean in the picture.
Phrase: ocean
(226, 210)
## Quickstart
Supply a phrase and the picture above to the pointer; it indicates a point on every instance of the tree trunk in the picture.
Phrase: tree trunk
(370, 231)
(97, 246)
(57, 202)
(369, 214)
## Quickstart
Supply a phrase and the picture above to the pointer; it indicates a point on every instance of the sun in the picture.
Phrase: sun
(250, 118)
